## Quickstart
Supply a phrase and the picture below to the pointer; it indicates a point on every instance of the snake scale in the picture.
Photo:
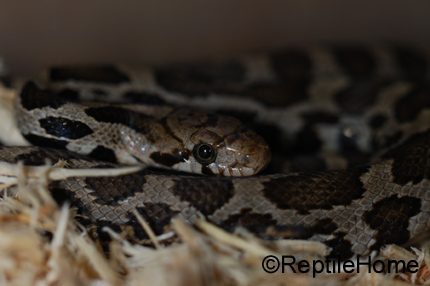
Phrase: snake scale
(339, 106)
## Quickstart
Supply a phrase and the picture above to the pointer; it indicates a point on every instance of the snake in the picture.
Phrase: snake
(174, 119)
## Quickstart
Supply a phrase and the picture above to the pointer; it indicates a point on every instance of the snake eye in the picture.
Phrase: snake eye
(204, 153)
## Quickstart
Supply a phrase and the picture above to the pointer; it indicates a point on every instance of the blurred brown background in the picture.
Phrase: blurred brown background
(34, 34)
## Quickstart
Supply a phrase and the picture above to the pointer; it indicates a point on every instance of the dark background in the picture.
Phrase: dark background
(34, 34)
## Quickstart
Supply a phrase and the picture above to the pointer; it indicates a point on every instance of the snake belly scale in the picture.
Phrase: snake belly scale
(354, 210)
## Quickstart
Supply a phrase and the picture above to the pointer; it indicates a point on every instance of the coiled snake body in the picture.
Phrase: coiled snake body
(353, 210)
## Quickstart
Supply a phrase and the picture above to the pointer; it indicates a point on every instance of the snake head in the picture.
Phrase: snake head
(218, 145)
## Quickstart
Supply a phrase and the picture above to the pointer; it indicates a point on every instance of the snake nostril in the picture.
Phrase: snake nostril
(244, 159)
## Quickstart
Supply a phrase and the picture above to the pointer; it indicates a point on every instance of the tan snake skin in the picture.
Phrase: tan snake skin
(354, 210)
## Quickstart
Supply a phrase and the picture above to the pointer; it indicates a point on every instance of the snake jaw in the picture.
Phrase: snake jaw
(242, 153)
(237, 156)
(238, 151)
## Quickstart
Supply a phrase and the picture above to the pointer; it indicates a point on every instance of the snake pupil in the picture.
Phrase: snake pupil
(204, 154)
